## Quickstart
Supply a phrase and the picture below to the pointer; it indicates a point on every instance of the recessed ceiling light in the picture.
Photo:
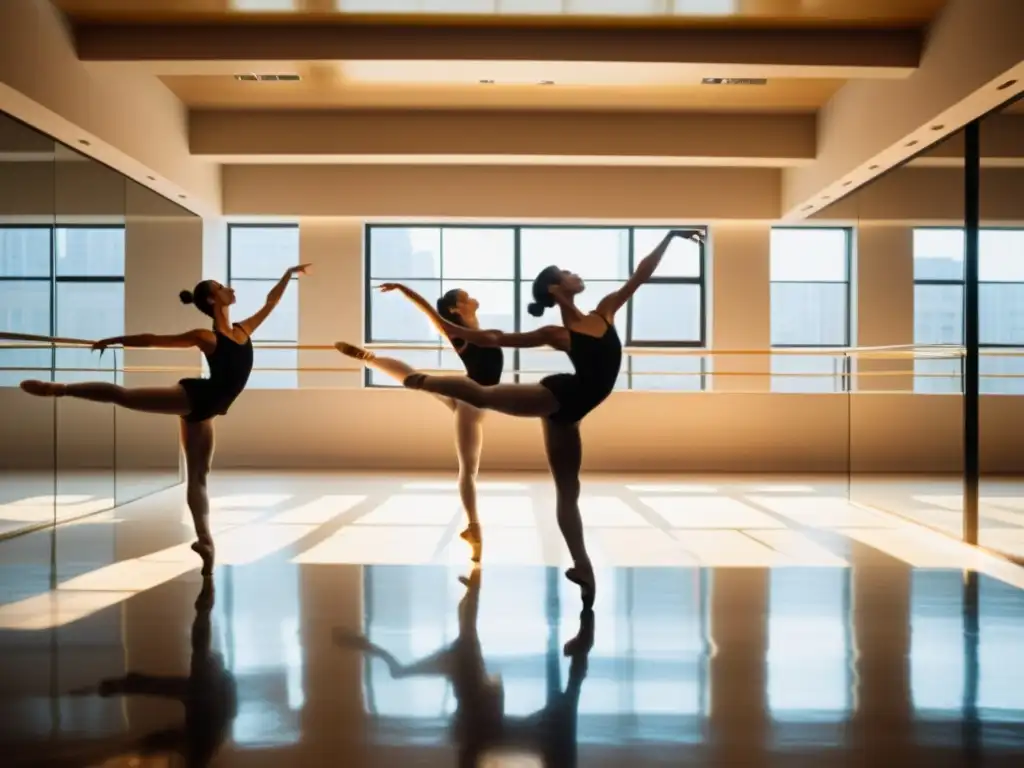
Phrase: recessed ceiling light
(848, 182)
(826, 197)
(911, 143)
(734, 81)
(1007, 84)
(84, 142)
(251, 77)
(938, 127)
(487, 82)
(807, 208)
(181, 197)
(151, 178)
(874, 167)
(546, 82)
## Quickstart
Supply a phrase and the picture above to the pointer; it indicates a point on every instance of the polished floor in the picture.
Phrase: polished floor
(793, 628)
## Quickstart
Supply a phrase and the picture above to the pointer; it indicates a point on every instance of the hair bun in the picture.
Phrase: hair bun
(187, 297)
(535, 308)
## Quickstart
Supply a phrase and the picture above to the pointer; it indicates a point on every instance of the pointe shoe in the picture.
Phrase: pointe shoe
(351, 350)
(205, 551)
(471, 535)
(42, 388)
(584, 579)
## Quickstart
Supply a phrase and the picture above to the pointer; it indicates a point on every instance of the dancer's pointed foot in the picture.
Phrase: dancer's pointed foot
(351, 350)
(471, 535)
(205, 551)
(42, 388)
(345, 639)
(583, 577)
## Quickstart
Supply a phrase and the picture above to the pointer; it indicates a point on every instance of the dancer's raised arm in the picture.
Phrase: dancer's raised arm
(644, 271)
(422, 304)
(250, 324)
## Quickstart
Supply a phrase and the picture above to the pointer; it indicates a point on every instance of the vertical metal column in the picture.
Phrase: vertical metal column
(972, 163)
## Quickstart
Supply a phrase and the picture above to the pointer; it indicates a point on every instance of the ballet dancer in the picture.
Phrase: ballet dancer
(561, 400)
(483, 365)
(228, 351)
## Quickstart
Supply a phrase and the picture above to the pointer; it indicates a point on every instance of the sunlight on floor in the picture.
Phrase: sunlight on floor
(680, 525)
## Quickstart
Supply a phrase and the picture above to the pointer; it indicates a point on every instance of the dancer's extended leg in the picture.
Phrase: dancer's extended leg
(197, 441)
(468, 443)
(510, 399)
(167, 400)
(565, 457)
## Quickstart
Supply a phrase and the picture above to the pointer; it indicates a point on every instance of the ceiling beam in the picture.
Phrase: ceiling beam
(520, 137)
(830, 53)
(1002, 146)
(973, 62)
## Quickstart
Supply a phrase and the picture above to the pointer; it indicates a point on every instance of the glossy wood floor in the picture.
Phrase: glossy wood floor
(796, 629)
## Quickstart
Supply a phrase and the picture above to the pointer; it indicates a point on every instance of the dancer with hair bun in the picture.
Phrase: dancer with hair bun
(484, 365)
(228, 351)
(561, 400)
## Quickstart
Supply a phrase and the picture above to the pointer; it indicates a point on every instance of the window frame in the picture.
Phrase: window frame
(54, 279)
(517, 279)
(845, 370)
(232, 279)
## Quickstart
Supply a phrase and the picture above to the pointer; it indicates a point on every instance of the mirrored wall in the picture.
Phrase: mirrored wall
(67, 224)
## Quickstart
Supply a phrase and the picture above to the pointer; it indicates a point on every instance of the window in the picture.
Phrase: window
(257, 257)
(939, 308)
(64, 281)
(810, 307)
(497, 264)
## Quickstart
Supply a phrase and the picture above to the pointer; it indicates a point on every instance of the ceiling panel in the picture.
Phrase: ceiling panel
(752, 13)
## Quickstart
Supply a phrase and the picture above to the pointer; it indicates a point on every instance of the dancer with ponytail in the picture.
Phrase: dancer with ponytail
(228, 351)
(484, 365)
(561, 400)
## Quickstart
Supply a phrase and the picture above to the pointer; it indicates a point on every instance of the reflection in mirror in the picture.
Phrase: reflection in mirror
(1001, 329)
(905, 406)
(27, 451)
(88, 280)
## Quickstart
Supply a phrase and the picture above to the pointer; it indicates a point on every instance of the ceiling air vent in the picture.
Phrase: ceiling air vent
(734, 81)
(254, 78)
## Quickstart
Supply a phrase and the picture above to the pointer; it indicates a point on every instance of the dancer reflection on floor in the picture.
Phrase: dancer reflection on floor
(484, 366)
(209, 694)
(561, 400)
(479, 724)
(228, 351)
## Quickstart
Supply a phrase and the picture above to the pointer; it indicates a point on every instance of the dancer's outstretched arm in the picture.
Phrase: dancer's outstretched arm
(200, 337)
(644, 271)
(250, 324)
(549, 336)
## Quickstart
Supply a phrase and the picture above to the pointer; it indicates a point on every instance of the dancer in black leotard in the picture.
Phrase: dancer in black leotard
(228, 351)
(483, 365)
(562, 400)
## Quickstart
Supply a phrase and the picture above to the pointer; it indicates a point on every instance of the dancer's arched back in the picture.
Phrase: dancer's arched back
(484, 365)
(561, 400)
(228, 351)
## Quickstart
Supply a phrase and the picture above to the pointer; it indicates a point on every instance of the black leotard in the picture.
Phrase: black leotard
(230, 365)
(597, 360)
(483, 364)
